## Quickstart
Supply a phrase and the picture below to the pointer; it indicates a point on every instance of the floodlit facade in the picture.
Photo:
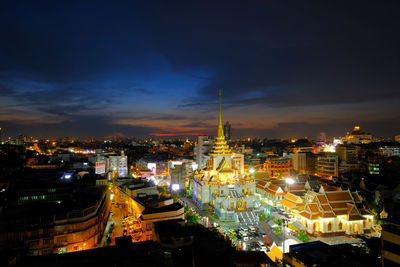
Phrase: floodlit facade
(117, 164)
(336, 212)
(357, 137)
(223, 185)
(279, 167)
(327, 165)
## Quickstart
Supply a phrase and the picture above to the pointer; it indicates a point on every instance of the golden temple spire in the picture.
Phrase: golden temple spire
(220, 147)
(220, 128)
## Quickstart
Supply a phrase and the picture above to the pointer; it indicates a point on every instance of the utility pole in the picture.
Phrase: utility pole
(284, 223)
(283, 231)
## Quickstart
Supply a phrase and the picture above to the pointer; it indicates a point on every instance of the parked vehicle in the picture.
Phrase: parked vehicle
(242, 233)
(262, 233)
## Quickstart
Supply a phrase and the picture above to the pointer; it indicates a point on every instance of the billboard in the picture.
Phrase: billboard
(100, 167)
(152, 167)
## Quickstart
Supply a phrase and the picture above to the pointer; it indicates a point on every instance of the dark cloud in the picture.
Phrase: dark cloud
(303, 53)
(72, 59)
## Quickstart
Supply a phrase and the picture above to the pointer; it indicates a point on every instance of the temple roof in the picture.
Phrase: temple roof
(328, 204)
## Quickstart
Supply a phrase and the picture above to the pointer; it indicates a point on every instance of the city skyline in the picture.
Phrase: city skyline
(137, 70)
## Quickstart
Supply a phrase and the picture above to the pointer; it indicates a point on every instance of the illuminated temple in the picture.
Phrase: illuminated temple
(223, 185)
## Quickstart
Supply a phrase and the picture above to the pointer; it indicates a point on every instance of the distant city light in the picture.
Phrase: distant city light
(337, 142)
(330, 148)
(252, 171)
(66, 176)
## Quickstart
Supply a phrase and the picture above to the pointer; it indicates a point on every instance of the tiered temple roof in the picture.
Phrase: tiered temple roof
(329, 204)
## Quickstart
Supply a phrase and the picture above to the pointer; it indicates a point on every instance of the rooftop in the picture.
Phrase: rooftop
(172, 207)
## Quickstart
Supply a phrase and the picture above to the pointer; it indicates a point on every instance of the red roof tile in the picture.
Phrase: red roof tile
(322, 198)
(339, 205)
(339, 196)
(313, 207)
(261, 183)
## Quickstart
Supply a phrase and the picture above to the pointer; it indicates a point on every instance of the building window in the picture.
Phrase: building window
(62, 239)
(34, 243)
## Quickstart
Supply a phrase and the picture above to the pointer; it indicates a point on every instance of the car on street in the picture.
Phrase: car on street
(261, 231)
(233, 232)
(255, 245)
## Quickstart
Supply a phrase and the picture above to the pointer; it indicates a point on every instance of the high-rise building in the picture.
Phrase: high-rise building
(201, 149)
(346, 152)
(304, 163)
(327, 165)
(180, 171)
(50, 218)
(117, 164)
(279, 167)
(227, 131)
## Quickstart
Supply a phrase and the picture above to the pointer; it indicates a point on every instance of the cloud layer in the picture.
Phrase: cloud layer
(286, 68)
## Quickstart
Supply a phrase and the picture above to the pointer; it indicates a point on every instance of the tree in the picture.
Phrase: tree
(302, 236)
(191, 218)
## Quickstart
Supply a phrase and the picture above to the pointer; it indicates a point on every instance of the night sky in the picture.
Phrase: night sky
(140, 68)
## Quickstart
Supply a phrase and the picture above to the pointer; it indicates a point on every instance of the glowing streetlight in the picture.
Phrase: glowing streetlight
(289, 180)
(252, 171)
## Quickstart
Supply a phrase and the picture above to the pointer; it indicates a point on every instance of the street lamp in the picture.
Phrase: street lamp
(284, 223)
(289, 180)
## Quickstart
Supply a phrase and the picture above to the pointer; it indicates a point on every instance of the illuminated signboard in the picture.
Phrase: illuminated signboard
(175, 187)
(152, 167)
